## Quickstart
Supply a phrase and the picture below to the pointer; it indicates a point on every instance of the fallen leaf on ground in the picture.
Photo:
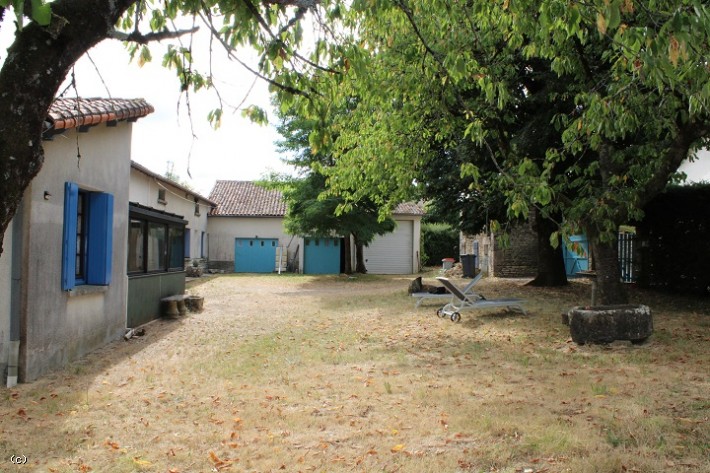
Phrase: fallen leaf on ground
(112, 444)
(140, 462)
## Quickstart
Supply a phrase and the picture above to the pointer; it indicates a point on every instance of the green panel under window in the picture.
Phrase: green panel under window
(145, 292)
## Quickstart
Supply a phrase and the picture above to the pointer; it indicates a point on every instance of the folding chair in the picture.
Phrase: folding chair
(460, 301)
(423, 296)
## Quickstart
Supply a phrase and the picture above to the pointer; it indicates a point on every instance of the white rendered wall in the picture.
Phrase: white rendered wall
(224, 230)
(144, 190)
(60, 326)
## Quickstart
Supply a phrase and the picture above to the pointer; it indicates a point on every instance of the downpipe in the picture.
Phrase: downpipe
(13, 362)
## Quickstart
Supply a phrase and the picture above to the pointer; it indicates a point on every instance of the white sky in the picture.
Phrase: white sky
(238, 150)
(698, 170)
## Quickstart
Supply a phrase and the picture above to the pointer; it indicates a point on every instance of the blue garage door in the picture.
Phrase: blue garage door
(576, 257)
(255, 255)
(321, 256)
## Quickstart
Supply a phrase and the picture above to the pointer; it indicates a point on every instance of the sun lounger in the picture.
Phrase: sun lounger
(423, 296)
(460, 301)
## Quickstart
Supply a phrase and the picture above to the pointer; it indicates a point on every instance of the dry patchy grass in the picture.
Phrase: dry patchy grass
(327, 374)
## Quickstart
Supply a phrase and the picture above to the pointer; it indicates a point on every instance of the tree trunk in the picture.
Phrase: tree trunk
(550, 263)
(359, 257)
(610, 289)
(347, 256)
(35, 67)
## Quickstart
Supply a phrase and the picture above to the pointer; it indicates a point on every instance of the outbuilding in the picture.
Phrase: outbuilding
(247, 234)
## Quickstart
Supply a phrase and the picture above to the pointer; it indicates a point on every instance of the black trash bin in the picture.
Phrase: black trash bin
(468, 264)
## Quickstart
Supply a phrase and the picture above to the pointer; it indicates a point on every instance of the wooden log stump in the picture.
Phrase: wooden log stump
(182, 308)
(174, 306)
(170, 308)
(195, 303)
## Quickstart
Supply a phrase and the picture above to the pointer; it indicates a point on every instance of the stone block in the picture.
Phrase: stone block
(605, 324)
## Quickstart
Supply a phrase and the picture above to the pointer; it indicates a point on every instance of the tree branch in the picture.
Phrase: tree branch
(410, 17)
(140, 38)
(302, 10)
(434, 54)
(232, 56)
(293, 3)
(678, 149)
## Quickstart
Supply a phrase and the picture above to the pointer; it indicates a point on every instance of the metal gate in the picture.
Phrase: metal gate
(627, 243)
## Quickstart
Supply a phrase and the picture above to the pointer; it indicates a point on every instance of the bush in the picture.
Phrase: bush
(439, 241)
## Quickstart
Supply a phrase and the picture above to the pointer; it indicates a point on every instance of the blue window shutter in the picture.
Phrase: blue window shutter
(100, 239)
(71, 199)
(187, 242)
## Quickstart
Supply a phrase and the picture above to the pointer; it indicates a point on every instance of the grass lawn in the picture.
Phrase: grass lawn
(330, 374)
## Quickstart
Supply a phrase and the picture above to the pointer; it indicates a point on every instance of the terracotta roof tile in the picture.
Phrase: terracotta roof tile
(246, 199)
(68, 113)
(410, 208)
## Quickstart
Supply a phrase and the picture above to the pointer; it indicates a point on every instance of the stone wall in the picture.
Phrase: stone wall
(519, 258)
(516, 260)
(202, 263)
(226, 266)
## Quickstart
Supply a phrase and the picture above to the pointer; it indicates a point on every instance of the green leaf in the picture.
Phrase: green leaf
(543, 195)
(41, 12)
(613, 15)
(145, 56)
(256, 115)
(601, 23)
(215, 118)
(470, 170)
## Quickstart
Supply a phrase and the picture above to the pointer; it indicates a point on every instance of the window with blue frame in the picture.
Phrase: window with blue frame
(156, 241)
(87, 238)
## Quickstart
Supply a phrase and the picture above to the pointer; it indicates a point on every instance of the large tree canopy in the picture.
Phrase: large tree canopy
(622, 88)
(50, 39)
(311, 212)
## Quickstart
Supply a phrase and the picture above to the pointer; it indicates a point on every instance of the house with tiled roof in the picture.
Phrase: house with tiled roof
(157, 202)
(248, 222)
(63, 284)
(247, 234)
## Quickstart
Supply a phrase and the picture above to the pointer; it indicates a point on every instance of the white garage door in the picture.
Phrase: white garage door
(391, 253)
